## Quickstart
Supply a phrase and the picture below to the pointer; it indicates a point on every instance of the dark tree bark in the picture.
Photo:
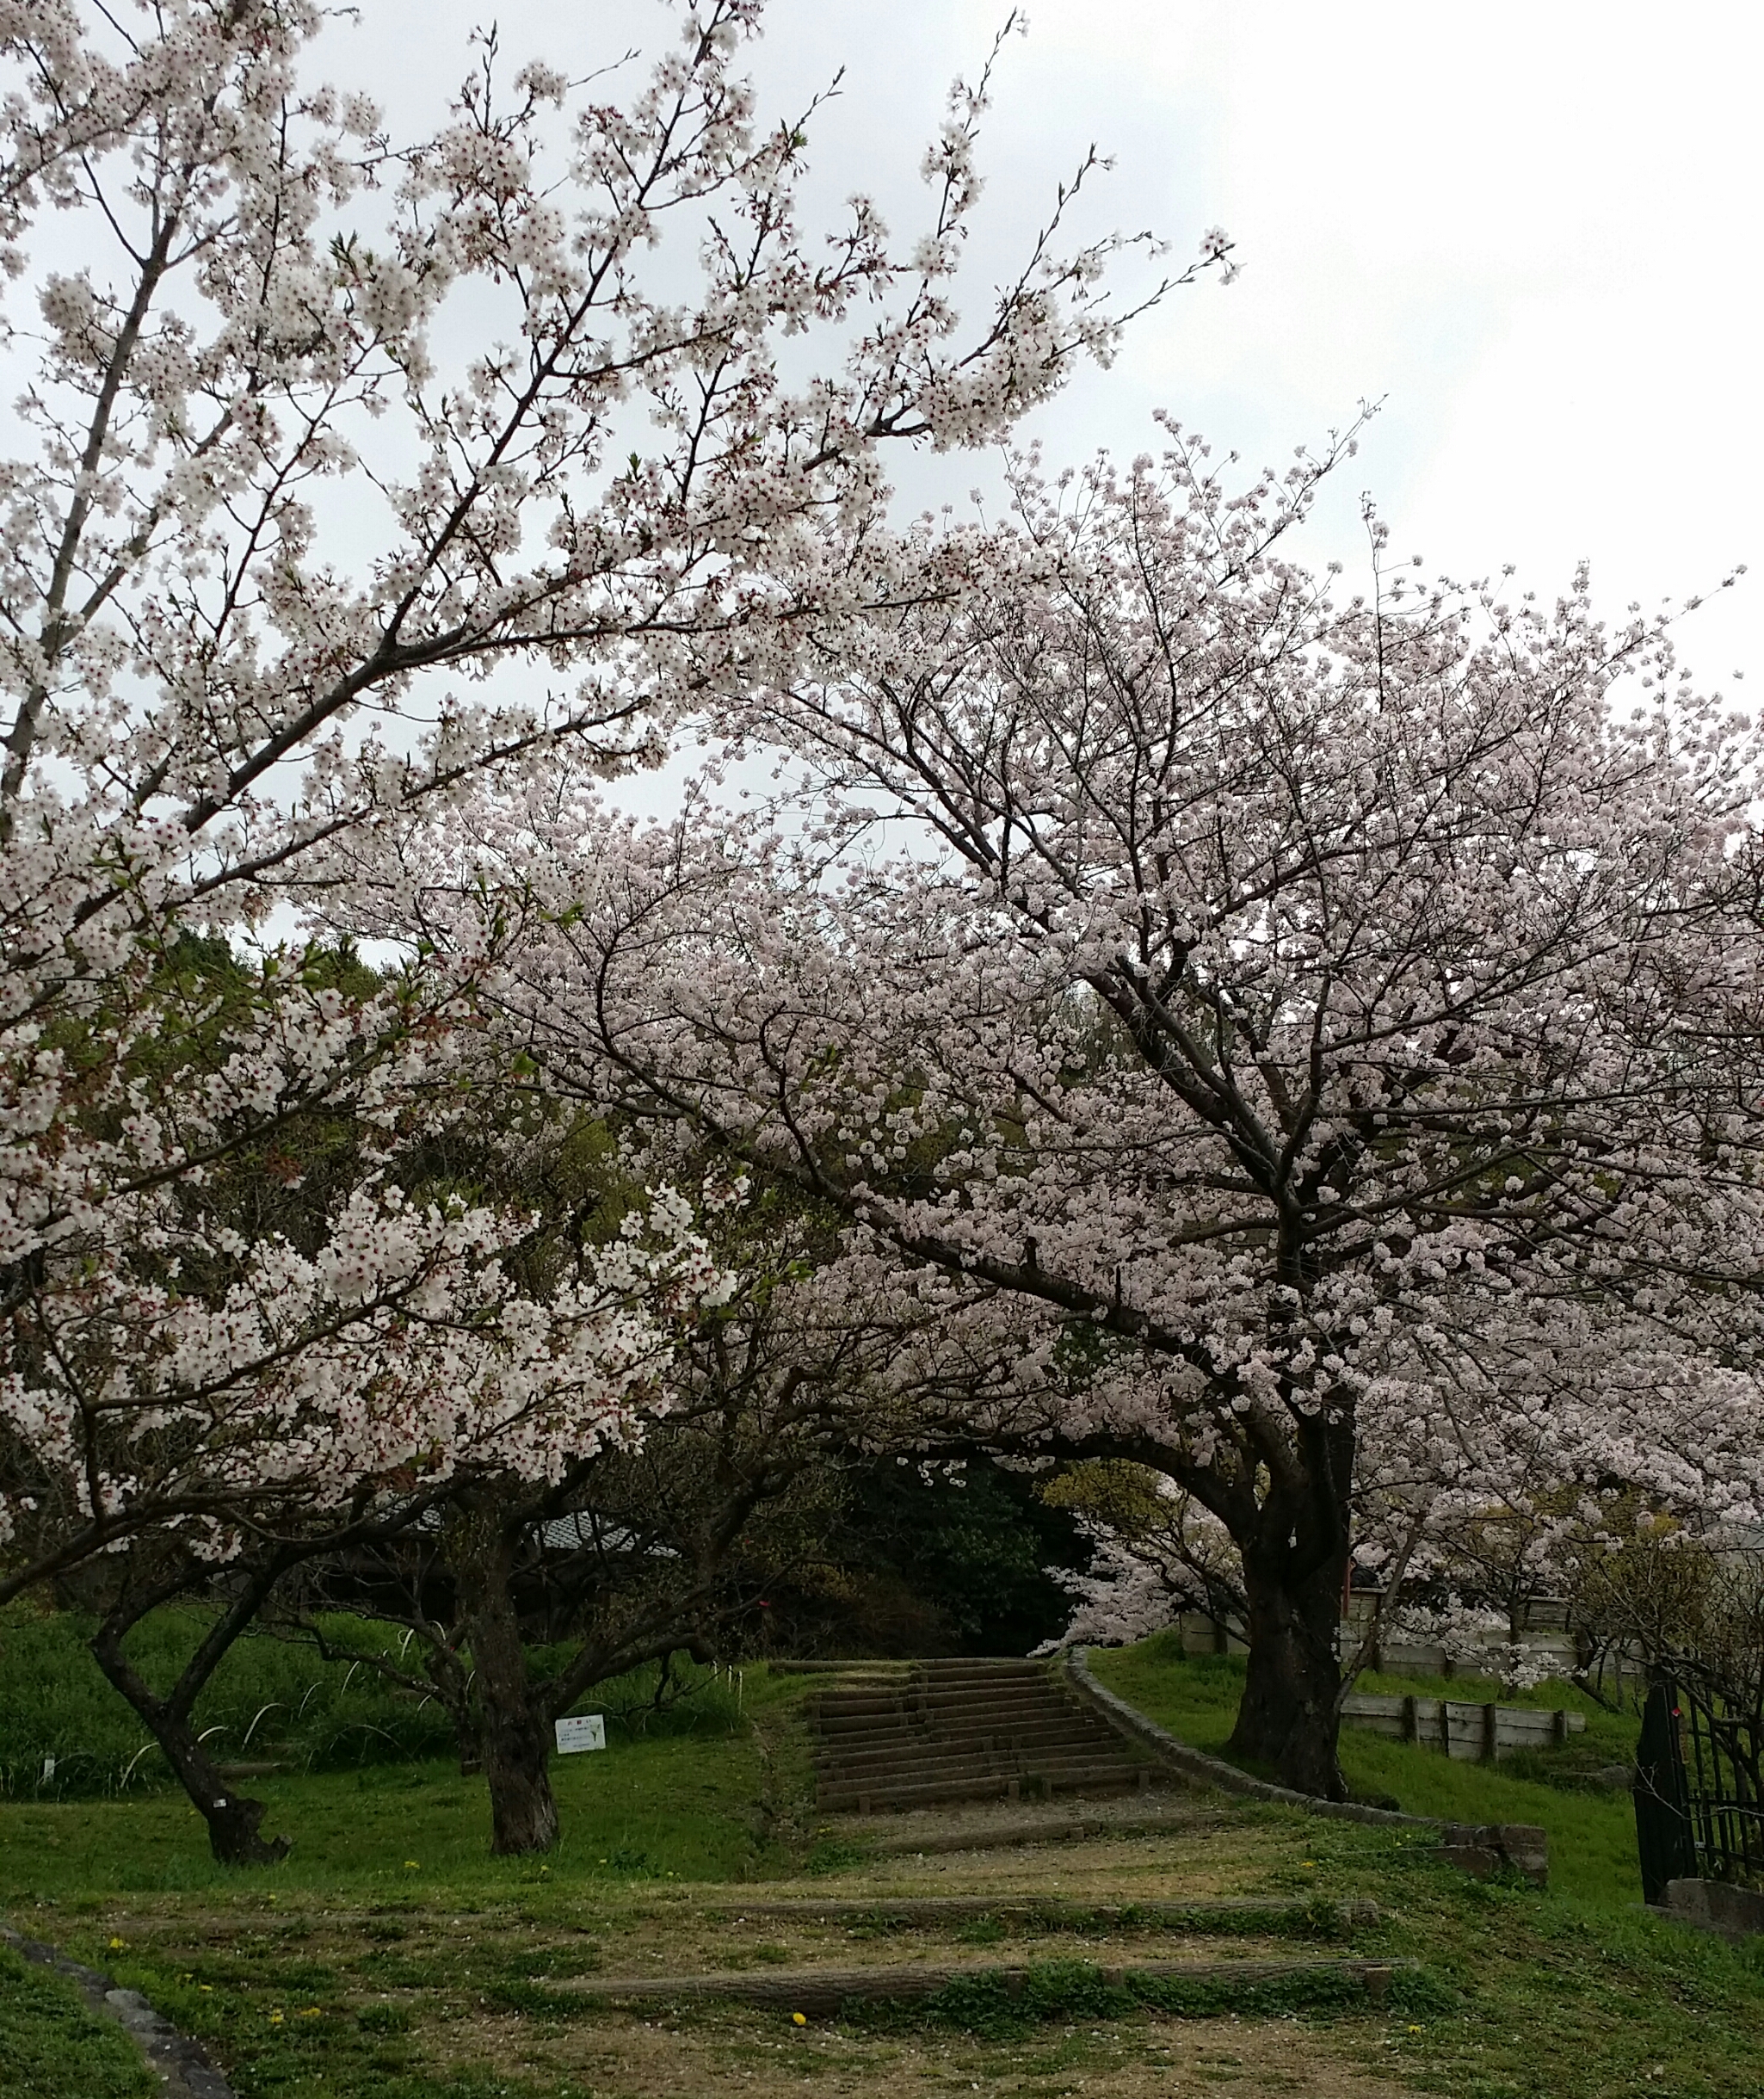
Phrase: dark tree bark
(233, 1820)
(1288, 1718)
(155, 1573)
(488, 1551)
(453, 1689)
(1293, 1541)
(1286, 1500)
(514, 1732)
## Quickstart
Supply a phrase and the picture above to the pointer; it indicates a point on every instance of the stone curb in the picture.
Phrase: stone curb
(1009, 1835)
(1056, 1913)
(823, 1993)
(1733, 1913)
(1478, 1849)
(183, 2070)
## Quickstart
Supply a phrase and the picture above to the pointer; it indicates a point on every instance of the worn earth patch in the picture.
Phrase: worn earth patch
(719, 2057)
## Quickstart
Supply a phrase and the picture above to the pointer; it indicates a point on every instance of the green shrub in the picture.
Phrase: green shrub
(64, 1733)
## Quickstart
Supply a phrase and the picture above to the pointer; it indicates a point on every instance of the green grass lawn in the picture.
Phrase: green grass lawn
(1592, 1833)
(695, 1800)
(52, 2047)
(688, 1807)
(390, 1957)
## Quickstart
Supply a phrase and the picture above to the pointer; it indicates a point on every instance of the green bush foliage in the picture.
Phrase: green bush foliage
(64, 1733)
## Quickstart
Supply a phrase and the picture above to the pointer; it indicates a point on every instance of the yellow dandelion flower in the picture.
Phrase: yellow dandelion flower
(797, 2019)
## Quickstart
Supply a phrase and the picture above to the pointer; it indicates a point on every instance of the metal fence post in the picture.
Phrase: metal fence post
(1664, 1839)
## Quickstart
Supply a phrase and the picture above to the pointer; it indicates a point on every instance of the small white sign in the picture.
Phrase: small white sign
(586, 1732)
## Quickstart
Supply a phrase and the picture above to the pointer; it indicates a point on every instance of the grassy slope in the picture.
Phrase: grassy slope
(646, 1812)
(1592, 1835)
(349, 1973)
(271, 1699)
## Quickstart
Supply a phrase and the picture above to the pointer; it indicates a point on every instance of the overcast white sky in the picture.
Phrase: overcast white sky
(1534, 231)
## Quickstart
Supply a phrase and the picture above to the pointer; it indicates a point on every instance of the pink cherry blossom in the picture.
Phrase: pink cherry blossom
(1319, 1037)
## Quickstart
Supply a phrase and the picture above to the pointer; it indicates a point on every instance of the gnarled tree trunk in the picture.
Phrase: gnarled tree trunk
(1288, 1717)
(233, 1820)
(514, 1736)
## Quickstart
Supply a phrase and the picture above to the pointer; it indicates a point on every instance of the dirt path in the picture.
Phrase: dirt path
(1160, 2057)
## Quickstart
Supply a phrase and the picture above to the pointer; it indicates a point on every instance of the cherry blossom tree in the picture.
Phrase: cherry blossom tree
(319, 433)
(319, 1402)
(644, 1545)
(1145, 1577)
(1322, 1033)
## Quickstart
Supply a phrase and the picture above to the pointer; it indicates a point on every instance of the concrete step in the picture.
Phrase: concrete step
(910, 1792)
(961, 1729)
(963, 1677)
(938, 1769)
(836, 1712)
(1054, 1759)
(961, 1720)
(1032, 1678)
(868, 1749)
(852, 1693)
(939, 1757)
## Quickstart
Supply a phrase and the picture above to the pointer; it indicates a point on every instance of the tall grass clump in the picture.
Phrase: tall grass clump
(64, 1733)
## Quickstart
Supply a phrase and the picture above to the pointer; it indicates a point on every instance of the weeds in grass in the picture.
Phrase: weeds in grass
(383, 2019)
(996, 2008)
(835, 1854)
(54, 2048)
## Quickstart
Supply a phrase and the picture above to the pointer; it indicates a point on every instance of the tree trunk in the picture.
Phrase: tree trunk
(514, 1736)
(232, 1819)
(1288, 1719)
(453, 1690)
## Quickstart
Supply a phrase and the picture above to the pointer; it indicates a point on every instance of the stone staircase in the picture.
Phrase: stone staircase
(910, 1734)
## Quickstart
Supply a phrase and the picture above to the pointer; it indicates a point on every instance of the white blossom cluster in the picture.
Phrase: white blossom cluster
(321, 428)
(1320, 1037)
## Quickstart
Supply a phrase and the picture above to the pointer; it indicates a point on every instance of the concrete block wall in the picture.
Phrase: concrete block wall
(1551, 1646)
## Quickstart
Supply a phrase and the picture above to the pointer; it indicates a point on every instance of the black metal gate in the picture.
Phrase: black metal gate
(1698, 1815)
(1725, 1810)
